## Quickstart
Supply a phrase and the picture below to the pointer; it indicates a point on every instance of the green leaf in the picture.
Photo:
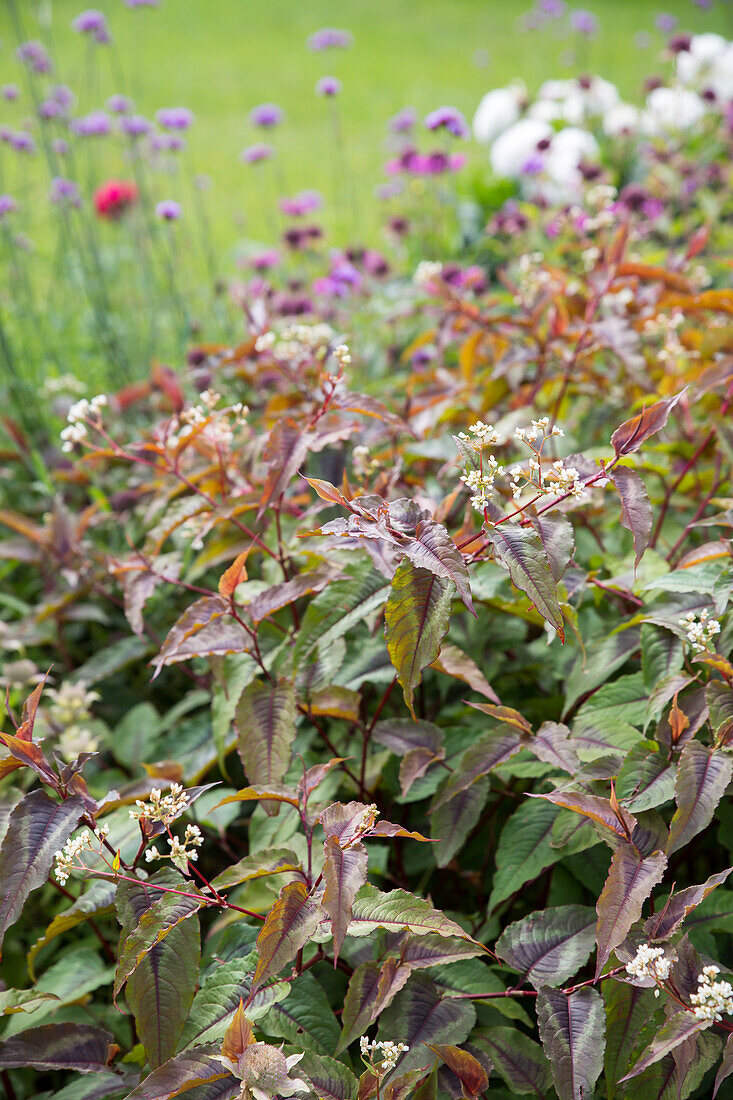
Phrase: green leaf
(334, 612)
(573, 1033)
(521, 552)
(726, 1066)
(38, 827)
(372, 987)
(183, 1072)
(630, 1016)
(397, 911)
(433, 549)
(702, 778)
(519, 1060)
(630, 881)
(344, 873)
(662, 654)
(646, 779)
(491, 750)
(452, 821)
(79, 1047)
(550, 946)
(524, 850)
(262, 864)
(98, 899)
(218, 999)
(290, 924)
(558, 538)
(677, 1030)
(166, 913)
(598, 663)
(265, 730)
(418, 1016)
(331, 1080)
(416, 620)
(304, 1017)
(636, 509)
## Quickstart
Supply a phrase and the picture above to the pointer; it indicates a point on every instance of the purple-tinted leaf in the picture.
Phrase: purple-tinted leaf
(281, 595)
(187, 1070)
(665, 923)
(452, 821)
(165, 914)
(416, 619)
(632, 433)
(38, 827)
(630, 881)
(418, 1016)
(558, 538)
(682, 1026)
(454, 662)
(726, 1066)
(489, 752)
(344, 873)
(401, 736)
(433, 549)
(520, 551)
(629, 1014)
(415, 764)
(597, 809)
(290, 924)
(573, 1033)
(397, 911)
(205, 629)
(372, 988)
(702, 778)
(286, 450)
(636, 508)
(79, 1047)
(553, 745)
(519, 1060)
(330, 1079)
(550, 946)
(265, 720)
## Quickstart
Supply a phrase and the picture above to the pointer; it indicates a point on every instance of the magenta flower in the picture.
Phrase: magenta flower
(34, 55)
(328, 86)
(64, 192)
(555, 9)
(94, 24)
(447, 118)
(253, 154)
(329, 38)
(403, 121)
(300, 205)
(95, 124)
(49, 108)
(22, 141)
(63, 95)
(135, 125)
(10, 92)
(266, 115)
(584, 22)
(168, 210)
(263, 261)
(119, 104)
(175, 118)
(8, 205)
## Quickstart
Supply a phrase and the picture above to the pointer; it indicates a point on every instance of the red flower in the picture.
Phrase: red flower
(112, 199)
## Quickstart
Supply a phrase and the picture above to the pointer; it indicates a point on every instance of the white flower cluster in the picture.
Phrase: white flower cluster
(70, 703)
(649, 962)
(481, 482)
(486, 434)
(71, 851)
(362, 461)
(81, 411)
(180, 851)
(389, 1052)
(220, 423)
(62, 383)
(342, 355)
(536, 429)
(293, 341)
(161, 807)
(700, 631)
(427, 271)
(712, 998)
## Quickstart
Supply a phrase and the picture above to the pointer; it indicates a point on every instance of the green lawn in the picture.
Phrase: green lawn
(221, 57)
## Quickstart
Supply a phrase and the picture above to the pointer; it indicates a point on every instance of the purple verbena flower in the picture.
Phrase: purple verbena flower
(63, 95)
(301, 204)
(94, 24)
(135, 125)
(403, 121)
(263, 261)
(328, 86)
(49, 108)
(34, 55)
(253, 154)
(8, 205)
(554, 8)
(266, 115)
(60, 147)
(142, 3)
(584, 22)
(95, 124)
(10, 92)
(168, 210)
(22, 141)
(666, 22)
(120, 104)
(174, 118)
(387, 191)
(447, 118)
(330, 38)
(64, 192)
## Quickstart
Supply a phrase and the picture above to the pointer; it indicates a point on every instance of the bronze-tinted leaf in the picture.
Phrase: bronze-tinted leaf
(573, 1032)
(520, 551)
(265, 719)
(630, 881)
(702, 778)
(636, 509)
(290, 924)
(344, 873)
(416, 620)
(632, 433)
(79, 1047)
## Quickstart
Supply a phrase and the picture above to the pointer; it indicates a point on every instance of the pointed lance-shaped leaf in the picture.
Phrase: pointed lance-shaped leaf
(520, 551)
(573, 1032)
(702, 778)
(549, 946)
(677, 1030)
(433, 549)
(632, 433)
(344, 873)
(262, 864)
(558, 538)
(597, 809)
(452, 821)
(397, 911)
(419, 1015)
(630, 882)
(372, 987)
(200, 1066)
(636, 508)
(165, 914)
(726, 1066)
(286, 449)
(491, 750)
(233, 576)
(670, 918)
(519, 1060)
(218, 997)
(469, 1071)
(454, 662)
(38, 827)
(629, 1016)
(265, 720)
(290, 924)
(331, 1079)
(416, 620)
(79, 1047)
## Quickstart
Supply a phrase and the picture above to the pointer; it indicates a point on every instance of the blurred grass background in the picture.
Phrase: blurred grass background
(222, 57)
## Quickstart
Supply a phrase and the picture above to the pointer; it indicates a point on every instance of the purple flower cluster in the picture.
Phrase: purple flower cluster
(19, 140)
(328, 86)
(168, 210)
(94, 24)
(120, 104)
(8, 205)
(95, 124)
(142, 3)
(301, 204)
(264, 261)
(10, 92)
(300, 236)
(435, 163)
(174, 118)
(330, 38)
(256, 153)
(34, 55)
(404, 121)
(584, 23)
(64, 192)
(266, 115)
(449, 119)
(135, 126)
